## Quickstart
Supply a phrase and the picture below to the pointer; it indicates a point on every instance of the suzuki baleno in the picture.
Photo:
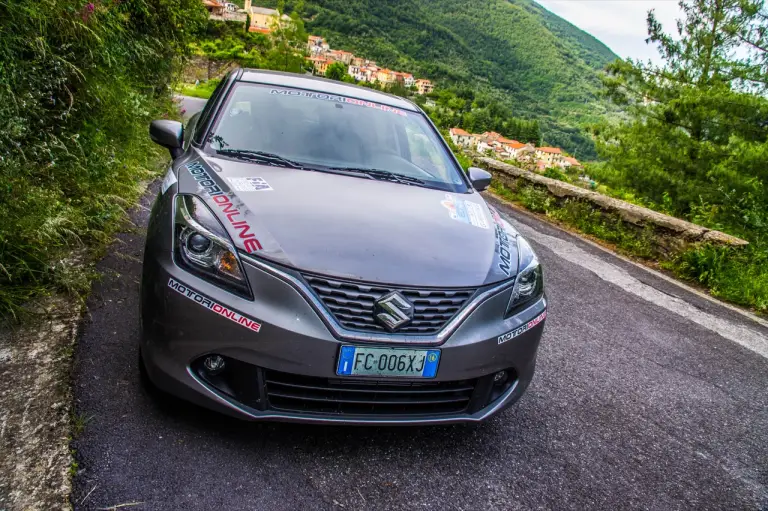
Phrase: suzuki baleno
(316, 253)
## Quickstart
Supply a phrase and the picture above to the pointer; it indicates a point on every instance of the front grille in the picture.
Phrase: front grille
(294, 393)
(352, 304)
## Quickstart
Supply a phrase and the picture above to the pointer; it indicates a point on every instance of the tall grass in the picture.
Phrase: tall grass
(79, 83)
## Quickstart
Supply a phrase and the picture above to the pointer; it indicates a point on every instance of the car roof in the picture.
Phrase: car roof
(324, 85)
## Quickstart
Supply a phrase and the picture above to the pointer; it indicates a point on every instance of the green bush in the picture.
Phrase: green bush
(555, 173)
(79, 83)
(202, 90)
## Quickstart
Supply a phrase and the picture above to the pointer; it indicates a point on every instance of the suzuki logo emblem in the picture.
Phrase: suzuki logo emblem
(393, 311)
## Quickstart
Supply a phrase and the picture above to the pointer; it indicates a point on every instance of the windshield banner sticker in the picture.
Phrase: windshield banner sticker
(214, 306)
(522, 329)
(338, 99)
(465, 211)
(249, 184)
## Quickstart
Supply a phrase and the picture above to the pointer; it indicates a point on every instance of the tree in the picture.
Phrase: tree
(289, 39)
(695, 118)
(336, 71)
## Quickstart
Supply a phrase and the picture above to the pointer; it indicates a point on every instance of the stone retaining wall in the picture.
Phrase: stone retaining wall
(510, 175)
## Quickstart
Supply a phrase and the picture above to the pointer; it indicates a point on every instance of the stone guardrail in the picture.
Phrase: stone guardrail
(630, 213)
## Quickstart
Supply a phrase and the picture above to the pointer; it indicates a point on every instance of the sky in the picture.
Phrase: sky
(620, 24)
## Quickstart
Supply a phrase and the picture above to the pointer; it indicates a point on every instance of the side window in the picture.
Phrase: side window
(423, 152)
(189, 129)
(205, 115)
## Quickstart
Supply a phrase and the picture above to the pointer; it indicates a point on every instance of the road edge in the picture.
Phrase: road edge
(36, 427)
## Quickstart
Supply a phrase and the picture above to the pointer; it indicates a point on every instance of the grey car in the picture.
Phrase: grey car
(317, 254)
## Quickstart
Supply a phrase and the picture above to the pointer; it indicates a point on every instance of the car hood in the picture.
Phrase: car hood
(354, 228)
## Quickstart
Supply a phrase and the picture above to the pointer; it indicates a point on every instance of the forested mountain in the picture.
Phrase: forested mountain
(515, 51)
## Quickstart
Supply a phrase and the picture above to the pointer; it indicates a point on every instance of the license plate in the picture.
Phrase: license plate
(357, 360)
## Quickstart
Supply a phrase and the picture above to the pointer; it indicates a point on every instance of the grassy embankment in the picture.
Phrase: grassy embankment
(736, 275)
(76, 106)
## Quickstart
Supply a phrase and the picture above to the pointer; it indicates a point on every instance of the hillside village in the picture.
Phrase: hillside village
(495, 145)
(361, 69)
(322, 56)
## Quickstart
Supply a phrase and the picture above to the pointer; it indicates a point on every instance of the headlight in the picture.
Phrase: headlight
(202, 246)
(529, 283)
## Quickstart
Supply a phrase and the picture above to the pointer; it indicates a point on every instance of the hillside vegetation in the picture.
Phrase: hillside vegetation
(520, 54)
(79, 84)
(694, 142)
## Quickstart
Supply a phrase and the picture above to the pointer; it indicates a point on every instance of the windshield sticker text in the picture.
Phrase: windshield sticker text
(465, 211)
(522, 329)
(224, 203)
(249, 184)
(338, 99)
(214, 306)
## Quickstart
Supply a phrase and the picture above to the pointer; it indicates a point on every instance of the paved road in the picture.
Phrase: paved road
(646, 397)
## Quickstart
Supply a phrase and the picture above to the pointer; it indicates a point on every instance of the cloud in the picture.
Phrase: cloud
(620, 24)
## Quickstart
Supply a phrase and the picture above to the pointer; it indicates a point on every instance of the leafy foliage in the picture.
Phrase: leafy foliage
(478, 113)
(336, 71)
(284, 49)
(79, 83)
(696, 138)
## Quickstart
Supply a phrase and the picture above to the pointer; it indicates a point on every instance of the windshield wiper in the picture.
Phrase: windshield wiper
(261, 157)
(383, 175)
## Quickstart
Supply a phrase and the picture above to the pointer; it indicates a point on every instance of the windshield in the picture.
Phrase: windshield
(333, 133)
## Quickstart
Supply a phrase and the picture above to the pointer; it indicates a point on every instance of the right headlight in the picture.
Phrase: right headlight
(529, 283)
(202, 246)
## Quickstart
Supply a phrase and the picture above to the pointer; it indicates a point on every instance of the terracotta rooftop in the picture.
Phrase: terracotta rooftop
(553, 150)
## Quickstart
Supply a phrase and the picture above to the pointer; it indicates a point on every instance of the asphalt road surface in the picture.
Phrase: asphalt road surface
(647, 396)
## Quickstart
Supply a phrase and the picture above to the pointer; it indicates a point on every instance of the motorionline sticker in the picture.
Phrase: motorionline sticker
(206, 302)
(522, 329)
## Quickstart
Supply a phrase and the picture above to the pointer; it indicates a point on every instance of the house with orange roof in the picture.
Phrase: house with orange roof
(570, 162)
(549, 155)
(214, 7)
(424, 86)
(461, 138)
(339, 56)
(320, 64)
(386, 76)
(262, 18)
(517, 150)
(405, 79)
(317, 45)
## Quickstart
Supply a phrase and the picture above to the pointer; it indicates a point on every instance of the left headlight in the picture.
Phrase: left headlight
(529, 283)
(203, 247)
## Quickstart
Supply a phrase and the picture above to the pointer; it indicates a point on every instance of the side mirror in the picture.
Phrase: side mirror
(169, 134)
(480, 178)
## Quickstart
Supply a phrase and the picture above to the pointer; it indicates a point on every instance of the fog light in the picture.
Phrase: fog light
(213, 364)
(499, 377)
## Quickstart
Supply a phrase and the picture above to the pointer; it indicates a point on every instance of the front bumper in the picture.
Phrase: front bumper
(295, 349)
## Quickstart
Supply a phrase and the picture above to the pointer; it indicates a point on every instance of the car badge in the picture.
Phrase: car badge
(393, 311)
